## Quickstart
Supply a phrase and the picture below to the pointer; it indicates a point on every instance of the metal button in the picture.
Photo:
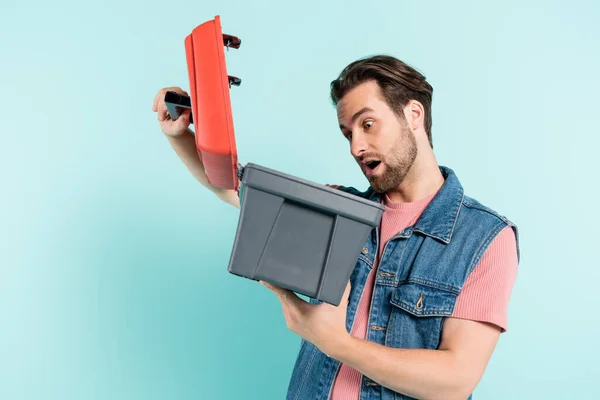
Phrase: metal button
(420, 302)
(365, 250)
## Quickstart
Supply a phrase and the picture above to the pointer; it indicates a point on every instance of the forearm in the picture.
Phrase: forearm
(419, 373)
(185, 147)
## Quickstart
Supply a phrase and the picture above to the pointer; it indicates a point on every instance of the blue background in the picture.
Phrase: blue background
(113, 259)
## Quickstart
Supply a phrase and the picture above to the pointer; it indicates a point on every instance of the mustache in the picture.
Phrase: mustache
(371, 155)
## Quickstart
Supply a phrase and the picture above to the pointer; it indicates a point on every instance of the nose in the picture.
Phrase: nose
(358, 145)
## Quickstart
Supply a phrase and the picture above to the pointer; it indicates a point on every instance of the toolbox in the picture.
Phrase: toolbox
(291, 232)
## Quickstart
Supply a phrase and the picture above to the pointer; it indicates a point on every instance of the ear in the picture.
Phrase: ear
(415, 115)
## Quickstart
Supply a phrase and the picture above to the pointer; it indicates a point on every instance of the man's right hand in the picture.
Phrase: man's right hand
(183, 141)
(167, 125)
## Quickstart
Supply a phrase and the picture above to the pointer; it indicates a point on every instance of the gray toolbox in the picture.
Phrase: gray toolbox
(299, 235)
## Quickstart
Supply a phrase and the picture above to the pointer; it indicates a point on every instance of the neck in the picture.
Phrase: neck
(423, 179)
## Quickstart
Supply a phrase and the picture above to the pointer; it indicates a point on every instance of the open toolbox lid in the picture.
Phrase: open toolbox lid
(210, 102)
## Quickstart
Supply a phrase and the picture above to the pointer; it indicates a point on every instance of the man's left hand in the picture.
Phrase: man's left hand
(323, 325)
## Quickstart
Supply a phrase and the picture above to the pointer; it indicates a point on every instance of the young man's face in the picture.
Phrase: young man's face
(380, 142)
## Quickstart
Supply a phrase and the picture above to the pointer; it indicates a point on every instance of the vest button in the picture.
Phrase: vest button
(365, 250)
(377, 328)
(419, 304)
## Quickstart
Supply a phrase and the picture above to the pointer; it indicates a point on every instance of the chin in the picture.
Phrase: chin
(376, 184)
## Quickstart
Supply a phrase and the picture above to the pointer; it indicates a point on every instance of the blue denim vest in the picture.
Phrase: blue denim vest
(421, 273)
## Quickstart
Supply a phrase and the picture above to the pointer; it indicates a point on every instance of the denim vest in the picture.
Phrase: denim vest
(421, 273)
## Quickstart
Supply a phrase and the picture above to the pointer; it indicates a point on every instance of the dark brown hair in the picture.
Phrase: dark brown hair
(398, 81)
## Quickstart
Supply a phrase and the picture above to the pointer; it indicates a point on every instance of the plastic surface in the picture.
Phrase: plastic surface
(298, 234)
(210, 101)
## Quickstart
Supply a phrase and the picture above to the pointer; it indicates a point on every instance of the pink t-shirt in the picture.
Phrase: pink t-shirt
(484, 297)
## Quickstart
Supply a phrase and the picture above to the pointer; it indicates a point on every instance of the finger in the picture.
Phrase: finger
(275, 289)
(184, 117)
(160, 105)
(163, 113)
(284, 295)
(159, 95)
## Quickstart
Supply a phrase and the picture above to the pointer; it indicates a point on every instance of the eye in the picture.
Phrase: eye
(368, 123)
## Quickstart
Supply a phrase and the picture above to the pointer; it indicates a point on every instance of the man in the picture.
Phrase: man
(428, 297)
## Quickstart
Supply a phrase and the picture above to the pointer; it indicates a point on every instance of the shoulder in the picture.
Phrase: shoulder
(484, 218)
(503, 250)
(475, 207)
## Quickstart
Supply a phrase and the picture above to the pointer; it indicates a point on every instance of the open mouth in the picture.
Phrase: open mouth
(373, 164)
(370, 167)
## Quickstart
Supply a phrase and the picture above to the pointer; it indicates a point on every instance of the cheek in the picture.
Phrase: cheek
(388, 149)
(394, 153)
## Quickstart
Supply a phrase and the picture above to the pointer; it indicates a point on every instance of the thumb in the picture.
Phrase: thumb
(184, 117)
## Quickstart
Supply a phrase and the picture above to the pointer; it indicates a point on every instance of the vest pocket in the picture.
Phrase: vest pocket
(421, 300)
(417, 314)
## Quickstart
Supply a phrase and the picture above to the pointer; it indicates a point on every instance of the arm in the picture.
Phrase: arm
(185, 147)
(468, 337)
(451, 372)
(182, 140)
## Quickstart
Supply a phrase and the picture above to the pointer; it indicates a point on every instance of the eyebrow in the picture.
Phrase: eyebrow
(356, 115)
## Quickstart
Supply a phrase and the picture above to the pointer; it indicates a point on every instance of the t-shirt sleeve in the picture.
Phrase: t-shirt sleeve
(487, 290)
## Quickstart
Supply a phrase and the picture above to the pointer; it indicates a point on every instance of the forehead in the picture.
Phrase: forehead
(364, 95)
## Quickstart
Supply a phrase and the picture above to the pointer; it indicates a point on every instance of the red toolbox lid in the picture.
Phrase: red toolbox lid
(210, 101)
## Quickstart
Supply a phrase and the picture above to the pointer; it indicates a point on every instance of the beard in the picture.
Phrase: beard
(396, 164)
